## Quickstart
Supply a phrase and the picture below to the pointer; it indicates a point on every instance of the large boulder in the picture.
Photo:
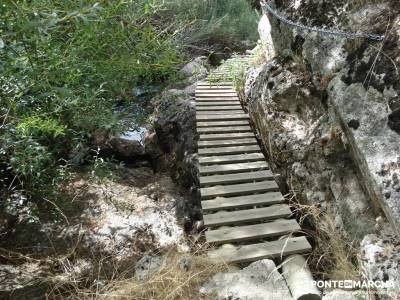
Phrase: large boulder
(128, 146)
(259, 281)
(195, 70)
(127, 149)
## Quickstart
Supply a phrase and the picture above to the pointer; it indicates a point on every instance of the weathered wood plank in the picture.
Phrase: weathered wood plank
(215, 84)
(217, 98)
(253, 252)
(200, 91)
(229, 150)
(273, 212)
(222, 123)
(236, 178)
(217, 103)
(235, 158)
(216, 108)
(214, 94)
(251, 232)
(242, 201)
(225, 136)
(224, 143)
(238, 189)
(233, 168)
(226, 117)
(216, 88)
(229, 129)
(219, 112)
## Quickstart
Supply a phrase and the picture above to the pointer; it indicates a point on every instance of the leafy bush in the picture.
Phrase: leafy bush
(64, 66)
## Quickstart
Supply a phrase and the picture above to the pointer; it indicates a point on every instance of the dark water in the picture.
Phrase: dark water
(135, 112)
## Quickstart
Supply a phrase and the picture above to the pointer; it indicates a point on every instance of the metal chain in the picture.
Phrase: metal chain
(350, 35)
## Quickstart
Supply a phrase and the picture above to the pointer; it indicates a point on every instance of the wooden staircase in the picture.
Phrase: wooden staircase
(245, 214)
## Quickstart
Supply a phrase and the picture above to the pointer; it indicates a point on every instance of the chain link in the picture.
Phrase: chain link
(350, 35)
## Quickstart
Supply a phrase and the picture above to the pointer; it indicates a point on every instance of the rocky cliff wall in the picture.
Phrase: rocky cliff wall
(328, 107)
(327, 111)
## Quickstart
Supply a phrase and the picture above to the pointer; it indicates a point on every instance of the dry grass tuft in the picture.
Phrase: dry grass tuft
(175, 279)
(259, 58)
(334, 257)
(172, 281)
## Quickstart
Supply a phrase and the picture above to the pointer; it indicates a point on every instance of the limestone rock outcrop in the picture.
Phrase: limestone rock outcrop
(261, 280)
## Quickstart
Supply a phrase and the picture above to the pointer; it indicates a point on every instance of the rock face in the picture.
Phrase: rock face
(171, 143)
(327, 110)
(380, 259)
(305, 143)
(259, 281)
(358, 88)
(175, 133)
(375, 147)
(267, 46)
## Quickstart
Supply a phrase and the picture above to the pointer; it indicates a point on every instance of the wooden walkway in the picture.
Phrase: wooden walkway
(245, 214)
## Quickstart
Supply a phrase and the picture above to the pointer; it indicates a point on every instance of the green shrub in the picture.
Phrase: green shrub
(64, 67)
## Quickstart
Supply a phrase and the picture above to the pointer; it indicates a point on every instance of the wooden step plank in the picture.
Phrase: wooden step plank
(215, 94)
(225, 136)
(253, 252)
(221, 203)
(215, 91)
(207, 96)
(226, 117)
(250, 232)
(233, 168)
(228, 150)
(236, 178)
(202, 93)
(235, 158)
(217, 103)
(222, 85)
(216, 108)
(228, 129)
(238, 189)
(222, 123)
(216, 98)
(230, 89)
(218, 77)
(215, 84)
(219, 112)
(225, 143)
(273, 212)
